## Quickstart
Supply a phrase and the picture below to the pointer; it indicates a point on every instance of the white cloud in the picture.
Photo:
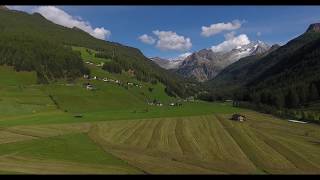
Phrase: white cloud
(168, 40)
(147, 39)
(60, 17)
(229, 35)
(214, 29)
(231, 42)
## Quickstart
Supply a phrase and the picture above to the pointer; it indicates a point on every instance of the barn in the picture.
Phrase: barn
(238, 117)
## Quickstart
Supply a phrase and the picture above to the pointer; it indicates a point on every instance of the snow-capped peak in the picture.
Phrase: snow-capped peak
(252, 46)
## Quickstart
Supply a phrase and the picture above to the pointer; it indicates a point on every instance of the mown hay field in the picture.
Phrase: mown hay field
(206, 144)
(213, 144)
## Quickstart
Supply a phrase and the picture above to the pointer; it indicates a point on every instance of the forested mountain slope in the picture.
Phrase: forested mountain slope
(286, 77)
(31, 42)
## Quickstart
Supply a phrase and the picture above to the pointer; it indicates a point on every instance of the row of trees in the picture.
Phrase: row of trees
(290, 102)
(291, 97)
(301, 114)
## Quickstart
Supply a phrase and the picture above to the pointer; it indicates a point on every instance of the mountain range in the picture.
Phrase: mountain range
(207, 64)
(280, 76)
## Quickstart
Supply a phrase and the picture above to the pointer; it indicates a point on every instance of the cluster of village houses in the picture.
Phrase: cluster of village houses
(89, 86)
(157, 103)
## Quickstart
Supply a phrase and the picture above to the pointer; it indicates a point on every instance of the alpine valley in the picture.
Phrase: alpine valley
(74, 102)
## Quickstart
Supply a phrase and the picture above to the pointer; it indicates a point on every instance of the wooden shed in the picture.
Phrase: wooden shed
(238, 117)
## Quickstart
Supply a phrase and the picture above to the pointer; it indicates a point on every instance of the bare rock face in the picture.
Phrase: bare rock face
(206, 64)
(314, 27)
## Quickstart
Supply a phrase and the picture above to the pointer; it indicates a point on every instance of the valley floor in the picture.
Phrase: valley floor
(205, 144)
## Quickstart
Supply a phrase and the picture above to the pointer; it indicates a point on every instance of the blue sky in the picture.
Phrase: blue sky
(183, 24)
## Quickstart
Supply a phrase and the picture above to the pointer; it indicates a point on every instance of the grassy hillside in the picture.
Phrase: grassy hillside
(20, 95)
(30, 42)
(58, 102)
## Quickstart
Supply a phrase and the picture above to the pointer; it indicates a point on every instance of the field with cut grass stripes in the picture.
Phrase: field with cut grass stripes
(213, 144)
(206, 144)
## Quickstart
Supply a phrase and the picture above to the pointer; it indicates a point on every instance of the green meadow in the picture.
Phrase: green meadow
(63, 128)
